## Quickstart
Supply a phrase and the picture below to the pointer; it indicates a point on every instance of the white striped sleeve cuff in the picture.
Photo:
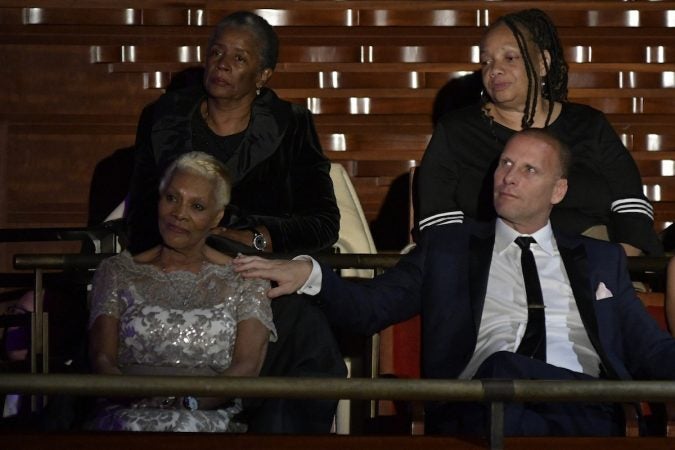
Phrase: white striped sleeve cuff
(442, 219)
(633, 205)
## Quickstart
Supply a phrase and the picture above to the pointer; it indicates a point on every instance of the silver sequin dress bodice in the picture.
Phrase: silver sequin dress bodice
(176, 320)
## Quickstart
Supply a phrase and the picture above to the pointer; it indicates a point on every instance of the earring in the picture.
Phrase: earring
(257, 91)
(484, 97)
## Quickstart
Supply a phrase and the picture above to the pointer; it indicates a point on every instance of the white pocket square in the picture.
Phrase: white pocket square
(602, 292)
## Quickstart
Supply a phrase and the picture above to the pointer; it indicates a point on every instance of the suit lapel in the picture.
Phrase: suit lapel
(480, 257)
(574, 257)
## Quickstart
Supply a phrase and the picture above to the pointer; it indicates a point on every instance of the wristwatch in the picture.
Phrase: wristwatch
(190, 403)
(259, 242)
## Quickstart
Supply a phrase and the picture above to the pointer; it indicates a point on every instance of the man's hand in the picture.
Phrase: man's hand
(289, 275)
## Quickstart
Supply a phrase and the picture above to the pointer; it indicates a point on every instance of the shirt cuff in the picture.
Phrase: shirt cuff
(313, 284)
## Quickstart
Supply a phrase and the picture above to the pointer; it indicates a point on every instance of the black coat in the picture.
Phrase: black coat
(280, 175)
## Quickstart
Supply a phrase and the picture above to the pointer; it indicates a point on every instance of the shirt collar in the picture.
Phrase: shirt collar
(505, 235)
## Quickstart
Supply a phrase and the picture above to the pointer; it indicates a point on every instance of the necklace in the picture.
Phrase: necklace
(185, 287)
(235, 123)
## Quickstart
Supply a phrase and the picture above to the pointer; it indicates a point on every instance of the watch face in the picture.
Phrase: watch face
(259, 242)
(191, 403)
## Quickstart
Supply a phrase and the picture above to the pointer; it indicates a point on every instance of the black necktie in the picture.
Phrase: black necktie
(534, 340)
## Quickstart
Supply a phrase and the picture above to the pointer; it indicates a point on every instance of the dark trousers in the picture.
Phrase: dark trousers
(305, 347)
(527, 419)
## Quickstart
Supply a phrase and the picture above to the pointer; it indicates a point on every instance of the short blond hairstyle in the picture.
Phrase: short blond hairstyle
(206, 166)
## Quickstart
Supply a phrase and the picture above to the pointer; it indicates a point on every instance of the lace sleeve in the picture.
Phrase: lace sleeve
(253, 303)
(104, 297)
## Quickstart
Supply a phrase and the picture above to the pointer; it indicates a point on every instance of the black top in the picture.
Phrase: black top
(203, 138)
(455, 177)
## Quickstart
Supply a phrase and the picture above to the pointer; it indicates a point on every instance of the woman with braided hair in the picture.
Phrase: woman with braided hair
(524, 77)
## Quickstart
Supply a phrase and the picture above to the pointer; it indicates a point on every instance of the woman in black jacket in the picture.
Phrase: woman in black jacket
(282, 198)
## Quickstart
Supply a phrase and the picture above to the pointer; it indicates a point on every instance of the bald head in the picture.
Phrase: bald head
(530, 178)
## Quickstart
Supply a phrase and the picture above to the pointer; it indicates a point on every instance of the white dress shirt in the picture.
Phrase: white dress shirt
(504, 316)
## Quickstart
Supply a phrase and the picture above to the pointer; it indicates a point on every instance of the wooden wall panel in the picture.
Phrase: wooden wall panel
(76, 75)
(66, 115)
(60, 80)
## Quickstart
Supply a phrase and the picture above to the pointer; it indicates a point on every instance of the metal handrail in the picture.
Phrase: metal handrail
(56, 261)
(339, 388)
(495, 392)
(103, 236)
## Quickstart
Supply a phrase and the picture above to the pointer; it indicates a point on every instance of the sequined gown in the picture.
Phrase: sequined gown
(175, 323)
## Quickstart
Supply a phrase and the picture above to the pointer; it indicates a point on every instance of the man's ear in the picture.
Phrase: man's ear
(559, 191)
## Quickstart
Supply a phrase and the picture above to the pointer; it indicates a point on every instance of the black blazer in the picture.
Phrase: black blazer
(280, 175)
